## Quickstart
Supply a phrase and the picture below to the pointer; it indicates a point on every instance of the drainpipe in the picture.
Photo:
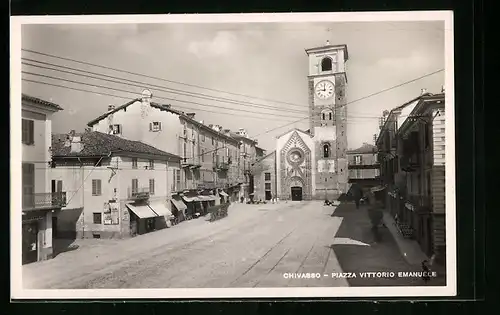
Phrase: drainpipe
(83, 197)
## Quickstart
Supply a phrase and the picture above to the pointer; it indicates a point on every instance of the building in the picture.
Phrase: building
(116, 187)
(209, 157)
(40, 199)
(363, 166)
(248, 156)
(412, 156)
(264, 170)
(311, 164)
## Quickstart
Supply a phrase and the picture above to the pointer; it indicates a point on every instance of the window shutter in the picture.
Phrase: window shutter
(120, 129)
(150, 126)
(159, 125)
(59, 186)
(31, 132)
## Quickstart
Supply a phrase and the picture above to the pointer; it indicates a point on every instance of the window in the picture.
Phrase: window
(96, 187)
(97, 218)
(427, 140)
(268, 186)
(358, 173)
(135, 185)
(326, 150)
(134, 163)
(184, 150)
(267, 176)
(116, 129)
(28, 131)
(326, 64)
(155, 126)
(202, 155)
(330, 116)
(28, 182)
(151, 186)
(323, 116)
(57, 185)
(178, 179)
(151, 164)
(184, 132)
(358, 159)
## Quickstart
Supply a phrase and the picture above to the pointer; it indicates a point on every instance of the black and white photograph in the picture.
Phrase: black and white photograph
(233, 156)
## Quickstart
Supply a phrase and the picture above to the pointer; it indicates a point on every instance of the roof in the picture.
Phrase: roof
(164, 107)
(266, 156)
(96, 143)
(294, 129)
(365, 148)
(342, 46)
(396, 109)
(39, 101)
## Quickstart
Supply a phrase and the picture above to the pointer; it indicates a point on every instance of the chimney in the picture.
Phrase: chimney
(423, 91)
(111, 108)
(76, 145)
(227, 131)
(210, 126)
(191, 115)
(72, 133)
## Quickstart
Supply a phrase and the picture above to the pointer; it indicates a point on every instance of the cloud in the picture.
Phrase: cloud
(222, 44)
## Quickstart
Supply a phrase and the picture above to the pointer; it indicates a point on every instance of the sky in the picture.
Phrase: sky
(239, 75)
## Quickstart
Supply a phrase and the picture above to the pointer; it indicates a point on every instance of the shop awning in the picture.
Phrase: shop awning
(160, 209)
(223, 193)
(181, 206)
(190, 199)
(142, 212)
(207, 197)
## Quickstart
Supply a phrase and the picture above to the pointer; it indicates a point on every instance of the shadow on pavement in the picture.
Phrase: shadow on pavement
(359, 252)
(63, 245)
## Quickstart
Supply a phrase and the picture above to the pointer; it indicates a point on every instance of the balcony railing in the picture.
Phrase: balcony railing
(38, 201)
(190, 163)
(418, 202)
(138, 193)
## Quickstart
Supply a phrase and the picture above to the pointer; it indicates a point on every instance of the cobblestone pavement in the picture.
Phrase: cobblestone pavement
(255, 246)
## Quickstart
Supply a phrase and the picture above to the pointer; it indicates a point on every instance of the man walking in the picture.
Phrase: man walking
(357, 194)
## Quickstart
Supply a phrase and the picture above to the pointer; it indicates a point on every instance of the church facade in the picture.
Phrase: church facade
(312, 164)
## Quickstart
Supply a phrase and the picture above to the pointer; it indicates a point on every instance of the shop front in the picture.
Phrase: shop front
(194, 206)
(165, 216)
(142, 218)
(179, 208)
(36, 236)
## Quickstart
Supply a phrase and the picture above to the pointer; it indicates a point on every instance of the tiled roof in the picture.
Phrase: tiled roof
(100, 144)
(164, 107)
(365, 148)
(39, 101)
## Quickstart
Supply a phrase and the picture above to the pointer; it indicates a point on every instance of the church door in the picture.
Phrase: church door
(296, 193)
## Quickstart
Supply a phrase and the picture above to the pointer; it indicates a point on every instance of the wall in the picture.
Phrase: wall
(265, 165)
(135, 126)
(38, 153)
(76, 220)
(282, 141)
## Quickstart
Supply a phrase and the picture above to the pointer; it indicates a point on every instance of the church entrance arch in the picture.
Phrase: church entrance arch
(296, 192)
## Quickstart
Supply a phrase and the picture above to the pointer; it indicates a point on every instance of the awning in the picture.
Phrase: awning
(223, 193)
(142, 211)
(207, 197)
(181, 206)
(191, 199)
(160, 209)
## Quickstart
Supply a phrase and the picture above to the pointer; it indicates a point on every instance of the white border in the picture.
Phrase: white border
(17, 292)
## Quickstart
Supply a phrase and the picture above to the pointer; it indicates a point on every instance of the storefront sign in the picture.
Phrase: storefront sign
(111, 213)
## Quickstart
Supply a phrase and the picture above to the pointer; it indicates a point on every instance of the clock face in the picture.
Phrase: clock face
(324, 89)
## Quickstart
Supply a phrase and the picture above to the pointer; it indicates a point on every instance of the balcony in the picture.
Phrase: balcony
(191, 163)
(44, 201)
(138, 193)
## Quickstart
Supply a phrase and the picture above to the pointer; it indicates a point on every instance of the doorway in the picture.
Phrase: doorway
(296, 193)
(54, 226)
(30, 242)
(268, 195)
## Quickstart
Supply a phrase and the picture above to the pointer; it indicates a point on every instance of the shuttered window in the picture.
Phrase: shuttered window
(96, 187)
(28, 131)
(135, 185)
(151, 186)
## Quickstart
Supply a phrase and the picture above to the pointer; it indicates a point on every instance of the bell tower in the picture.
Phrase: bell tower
(327, 82)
